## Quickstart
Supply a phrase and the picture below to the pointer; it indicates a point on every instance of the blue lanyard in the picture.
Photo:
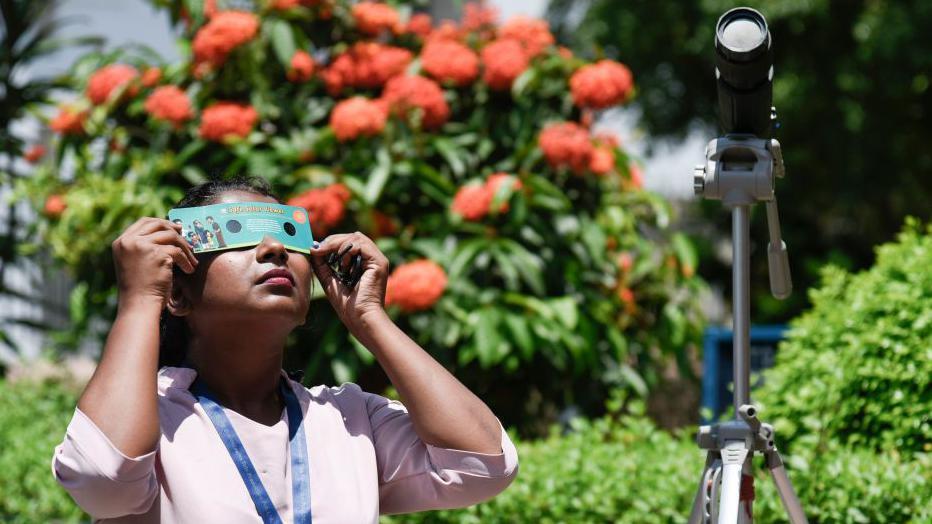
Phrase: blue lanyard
(300, 472)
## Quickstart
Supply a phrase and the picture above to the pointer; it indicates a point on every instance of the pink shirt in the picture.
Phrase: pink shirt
(365, 459)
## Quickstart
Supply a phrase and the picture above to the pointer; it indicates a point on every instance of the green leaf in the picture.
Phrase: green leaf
(522, 82)
(378, 177)
(78, 303)
(282, 41)
(465, 253)
(188, 151)
(685, 251)
(193, 174)
(488, 338)
(521, 334)
(531, 265)
(633, 379)
(566, 311)
(506, 266)
(452, 154)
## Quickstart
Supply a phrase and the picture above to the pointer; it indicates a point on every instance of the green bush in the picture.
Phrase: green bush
(623, 470)
(630, 471)
(33, 418)
(855, 369)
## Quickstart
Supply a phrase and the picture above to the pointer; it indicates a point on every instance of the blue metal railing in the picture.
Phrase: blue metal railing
(717, 364)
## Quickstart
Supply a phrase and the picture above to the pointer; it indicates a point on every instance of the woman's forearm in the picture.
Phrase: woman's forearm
(121, 398)
(445, 413)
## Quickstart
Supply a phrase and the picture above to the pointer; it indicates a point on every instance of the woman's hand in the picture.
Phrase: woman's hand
(366, 298)
(144, 256)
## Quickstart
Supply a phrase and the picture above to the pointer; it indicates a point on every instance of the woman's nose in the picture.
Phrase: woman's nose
(271, 249)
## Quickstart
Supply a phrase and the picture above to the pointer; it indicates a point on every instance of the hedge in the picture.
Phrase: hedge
(856, 368)
(622, 470)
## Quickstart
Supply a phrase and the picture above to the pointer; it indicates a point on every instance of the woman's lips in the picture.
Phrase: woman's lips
(278, 277)
(278, 281)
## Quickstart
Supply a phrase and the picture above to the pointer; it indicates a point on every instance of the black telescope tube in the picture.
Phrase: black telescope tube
(744, 72)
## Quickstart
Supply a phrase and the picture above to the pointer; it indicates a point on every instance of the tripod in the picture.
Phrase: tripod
(740, 171)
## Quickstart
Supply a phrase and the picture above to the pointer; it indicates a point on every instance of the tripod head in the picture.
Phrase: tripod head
(740, 170)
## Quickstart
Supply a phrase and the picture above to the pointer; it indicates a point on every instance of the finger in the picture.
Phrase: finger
(174, 239)
(331, 244)
(134, 228)
(370, 254)
(339, 258)
(179, 257)
(150, 225)
(326, 276)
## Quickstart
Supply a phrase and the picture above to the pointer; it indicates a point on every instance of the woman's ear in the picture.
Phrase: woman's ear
(178, 304)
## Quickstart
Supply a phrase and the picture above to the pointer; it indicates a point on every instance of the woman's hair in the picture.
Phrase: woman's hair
(173, 331)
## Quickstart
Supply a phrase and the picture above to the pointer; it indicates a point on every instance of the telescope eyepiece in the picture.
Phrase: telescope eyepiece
(744, 72)
(741, 35)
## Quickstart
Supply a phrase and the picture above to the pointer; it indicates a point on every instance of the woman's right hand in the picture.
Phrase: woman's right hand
(144, 256)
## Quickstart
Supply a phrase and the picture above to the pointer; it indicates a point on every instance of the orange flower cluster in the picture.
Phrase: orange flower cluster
(171, 104)
(383, 225)
(637, 178)
(302, 67)
(533, 34)
(473, 202)
(566, 144)
(416, 286)
(600, 85)
(504, 61)
(357, 116)
(109, 79)
(367, 65)
(224, 120)
(603, 154)
(450, 61)
(326, 207)
(68, 121)
(628, 299)
(477, 16)
(373, 18)
(226, 31)
(284, 5)
(447, 30)
(34, 153)
(420, 24)
(404, 93)
(54, 206)
(151, 77)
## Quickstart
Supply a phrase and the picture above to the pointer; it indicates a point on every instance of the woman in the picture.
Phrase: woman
(148, 444)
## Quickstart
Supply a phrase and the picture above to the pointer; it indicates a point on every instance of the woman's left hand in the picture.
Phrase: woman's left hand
(368, 296)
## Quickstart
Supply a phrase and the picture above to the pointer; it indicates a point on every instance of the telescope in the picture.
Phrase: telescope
(744, 73)
(739, 169)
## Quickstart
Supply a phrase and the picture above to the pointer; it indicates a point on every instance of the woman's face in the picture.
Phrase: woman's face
(234, 285)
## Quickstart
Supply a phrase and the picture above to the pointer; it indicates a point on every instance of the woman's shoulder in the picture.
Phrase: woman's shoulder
(346, 394)
(175, 381)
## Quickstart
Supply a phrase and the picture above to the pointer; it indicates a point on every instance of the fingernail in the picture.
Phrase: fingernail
(316, 244)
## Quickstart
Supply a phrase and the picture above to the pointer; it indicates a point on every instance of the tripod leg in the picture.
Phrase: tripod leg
(733, 458)
(698, 511)
(787, 495)
(731, 494)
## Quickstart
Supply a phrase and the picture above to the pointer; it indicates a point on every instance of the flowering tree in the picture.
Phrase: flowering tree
(522, 243)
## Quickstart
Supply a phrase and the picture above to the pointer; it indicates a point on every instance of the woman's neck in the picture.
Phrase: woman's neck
(243, 372)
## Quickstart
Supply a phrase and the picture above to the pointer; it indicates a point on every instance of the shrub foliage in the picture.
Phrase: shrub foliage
(468, 145)
(855, 369)
(607, 470)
